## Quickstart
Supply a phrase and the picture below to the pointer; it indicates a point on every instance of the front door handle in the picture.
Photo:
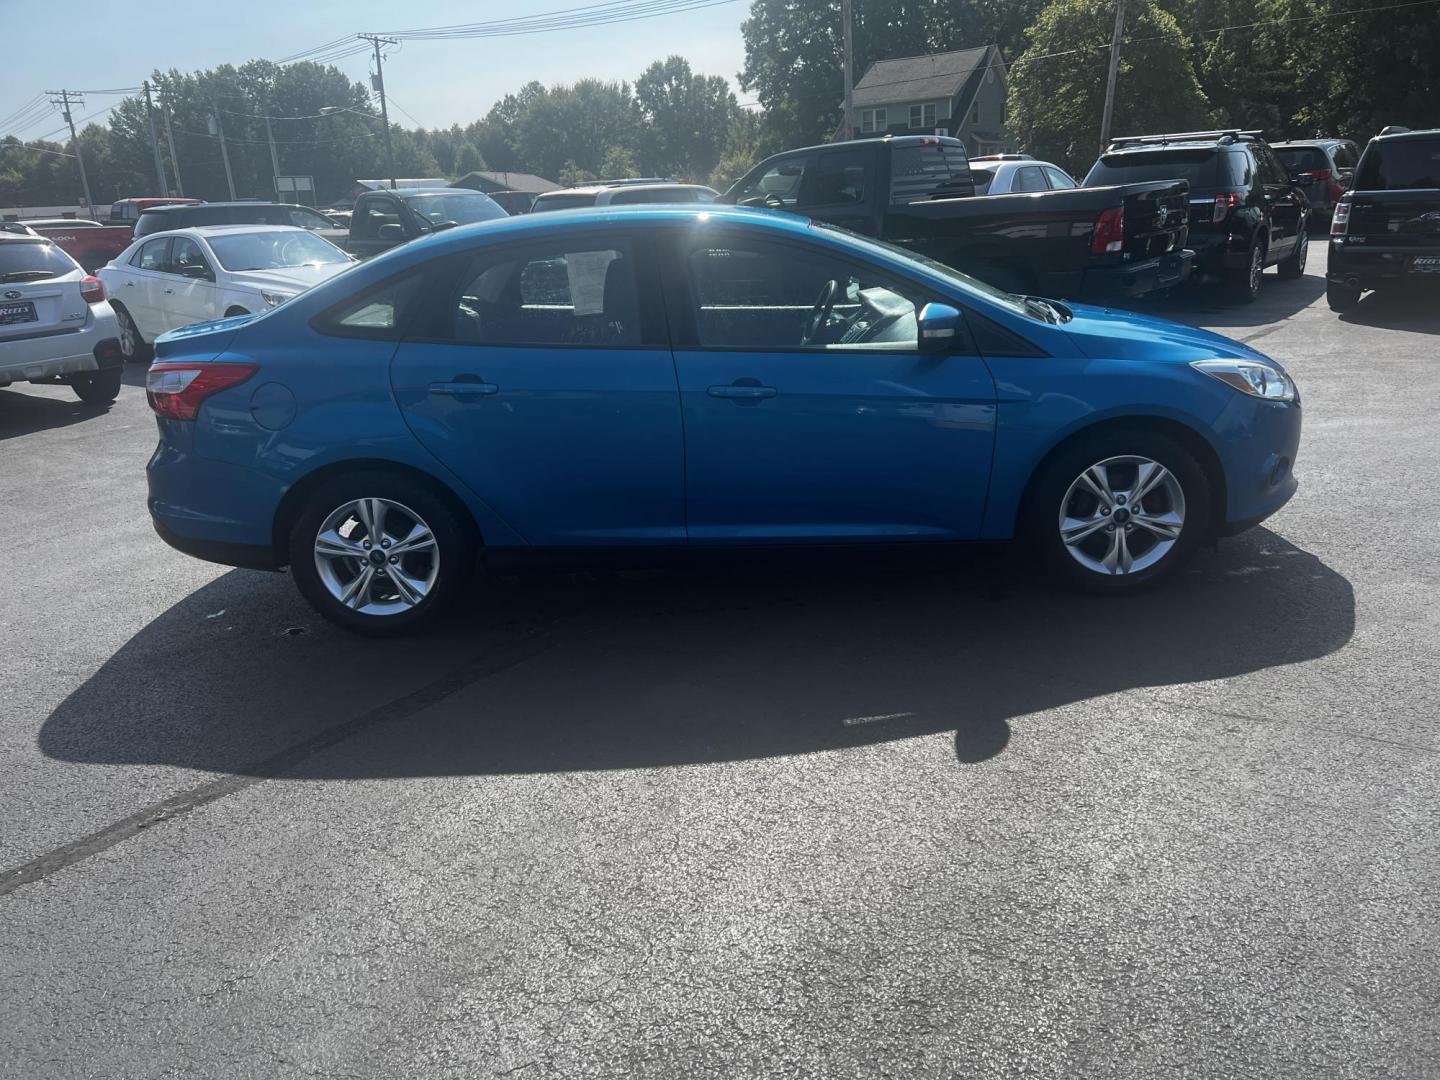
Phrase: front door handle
(464, 388)
(746, 392)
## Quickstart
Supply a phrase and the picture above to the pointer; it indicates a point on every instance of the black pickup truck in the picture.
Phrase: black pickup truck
(1386, 228)
(915, 191)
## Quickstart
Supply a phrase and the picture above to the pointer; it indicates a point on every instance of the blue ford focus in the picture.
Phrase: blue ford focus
(687, 377)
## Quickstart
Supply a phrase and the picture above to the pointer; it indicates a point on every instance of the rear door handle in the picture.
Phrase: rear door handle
(462, 388)
(745, 392)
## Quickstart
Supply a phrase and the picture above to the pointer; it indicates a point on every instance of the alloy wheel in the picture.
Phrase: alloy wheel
(376, 556)
(129, 336)
(1304, 250)
(1122, 515)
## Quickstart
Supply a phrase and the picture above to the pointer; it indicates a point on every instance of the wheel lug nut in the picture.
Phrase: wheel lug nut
(367, 545)
(1104, 511)
(1109, 528)
(385, 543)
(394, 558)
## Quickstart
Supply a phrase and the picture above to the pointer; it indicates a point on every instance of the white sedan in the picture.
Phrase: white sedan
(168, 280)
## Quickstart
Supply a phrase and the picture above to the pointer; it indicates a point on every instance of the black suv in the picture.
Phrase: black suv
(243, 212)
(1245, 211)
(1387, 226)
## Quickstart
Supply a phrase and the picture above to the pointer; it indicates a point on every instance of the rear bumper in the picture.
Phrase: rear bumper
(248, 556)
(1137, 279)
(1365, 265)
(67, 352)
(210, 509)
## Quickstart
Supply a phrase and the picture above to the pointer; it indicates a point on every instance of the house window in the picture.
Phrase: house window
(975, 113)
(872, 120)
(922, 116)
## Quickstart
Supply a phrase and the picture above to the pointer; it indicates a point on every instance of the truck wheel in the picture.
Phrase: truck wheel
(1244, 284)
(1341, 297)
(97, 387)
(1294, 266)
(132, 346)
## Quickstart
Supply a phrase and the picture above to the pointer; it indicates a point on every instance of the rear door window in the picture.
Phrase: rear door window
(1403, 165)
(153, 256)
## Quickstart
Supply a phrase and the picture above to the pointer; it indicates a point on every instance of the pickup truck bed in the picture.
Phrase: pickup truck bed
(91, 247)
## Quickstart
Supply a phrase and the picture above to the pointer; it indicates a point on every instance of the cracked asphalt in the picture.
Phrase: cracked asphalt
(819, 817)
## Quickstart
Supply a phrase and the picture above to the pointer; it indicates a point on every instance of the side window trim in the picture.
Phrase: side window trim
(679, 296)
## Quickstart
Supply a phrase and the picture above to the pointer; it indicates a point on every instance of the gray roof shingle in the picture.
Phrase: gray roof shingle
(916, 78)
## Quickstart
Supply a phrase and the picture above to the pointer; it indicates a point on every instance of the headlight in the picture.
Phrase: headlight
(1250, 377)
(275, 299)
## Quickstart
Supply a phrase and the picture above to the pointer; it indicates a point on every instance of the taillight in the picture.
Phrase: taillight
(1336, 190)
(176, 391)
(1340, 222)
(1224, 203)
(1320, 174)
(1109, 231)
(92, 290)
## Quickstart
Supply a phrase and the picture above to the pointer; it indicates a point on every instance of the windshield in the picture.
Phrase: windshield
(463, 207)
(1196, 166)
(274, 250)
(1400, 166)
(965, 281)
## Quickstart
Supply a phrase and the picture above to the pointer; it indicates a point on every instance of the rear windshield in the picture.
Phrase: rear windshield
(1302, 158)
(1200, 167)
(983, 179)
(923, 172)
(561, 202)
(662, 195)
(1401, 165)
(26, 260)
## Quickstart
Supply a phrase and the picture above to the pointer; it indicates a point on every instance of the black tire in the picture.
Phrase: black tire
(1341, 298)
(1293, 266)
(454, 547)
(97, 387)
(1052, 493)
(133, 346)
(1243, 285)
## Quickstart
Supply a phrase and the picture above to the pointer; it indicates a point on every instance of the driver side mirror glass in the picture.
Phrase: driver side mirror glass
(392, 231)
(939, 326)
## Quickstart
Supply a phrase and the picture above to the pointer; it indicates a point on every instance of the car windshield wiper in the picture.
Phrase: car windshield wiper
(26, 275)
(1043, 308)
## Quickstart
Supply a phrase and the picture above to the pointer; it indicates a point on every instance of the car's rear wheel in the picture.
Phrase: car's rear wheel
(1244, 283)
(1341, 297)
(1294, 266)
(97, 387)
(378, 553)
(132, 345)
(1119, 510)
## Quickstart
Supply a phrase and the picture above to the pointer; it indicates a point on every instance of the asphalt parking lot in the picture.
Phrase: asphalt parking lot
(825, 817)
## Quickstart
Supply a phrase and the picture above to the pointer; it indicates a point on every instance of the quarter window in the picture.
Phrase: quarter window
(382, 311)
(568, 292)
(1058, 180)
(755, 294)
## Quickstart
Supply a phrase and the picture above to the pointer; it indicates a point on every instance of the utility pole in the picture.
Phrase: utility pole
(274, 157)
(219, 129)
(1114, 72)
(379, 84)
(67, 98)
(170, 138)
(849, 74)
(154, 143)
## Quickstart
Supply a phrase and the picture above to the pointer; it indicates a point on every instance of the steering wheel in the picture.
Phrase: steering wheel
(820, 313)
(292, 252)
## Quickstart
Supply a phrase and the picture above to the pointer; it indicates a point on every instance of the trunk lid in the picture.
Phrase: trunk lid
(1396, 218)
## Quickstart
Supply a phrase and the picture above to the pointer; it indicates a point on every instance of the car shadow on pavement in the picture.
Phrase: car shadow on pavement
(1402, 307)
(737, 660)
(1206, 304)
(25, 414)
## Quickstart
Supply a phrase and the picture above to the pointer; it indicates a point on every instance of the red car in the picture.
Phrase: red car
(93, 245)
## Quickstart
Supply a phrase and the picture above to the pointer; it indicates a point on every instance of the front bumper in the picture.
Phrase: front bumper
(1137, 279)
(1259, 441)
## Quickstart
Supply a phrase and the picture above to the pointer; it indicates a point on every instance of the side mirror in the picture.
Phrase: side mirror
(392, 232)
(938, 325)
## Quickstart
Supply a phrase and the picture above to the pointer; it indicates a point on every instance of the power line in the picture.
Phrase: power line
(616, 11)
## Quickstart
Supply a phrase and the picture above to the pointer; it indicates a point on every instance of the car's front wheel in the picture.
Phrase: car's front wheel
(1119, 510)
(378, 553)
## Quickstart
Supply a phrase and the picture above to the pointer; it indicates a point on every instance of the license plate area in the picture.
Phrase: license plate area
(17, 313)
(1425, 264)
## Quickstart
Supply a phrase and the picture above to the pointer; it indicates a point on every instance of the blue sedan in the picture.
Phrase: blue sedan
(689, 376)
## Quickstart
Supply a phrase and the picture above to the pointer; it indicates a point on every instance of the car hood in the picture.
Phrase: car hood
(292, 279)
(1123, 335)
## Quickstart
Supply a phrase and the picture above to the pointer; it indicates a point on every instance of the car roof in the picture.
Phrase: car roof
(1308, 142)
(180, 207)
(227, 230)
(21, 238)
(1406, 136)
(585, 217)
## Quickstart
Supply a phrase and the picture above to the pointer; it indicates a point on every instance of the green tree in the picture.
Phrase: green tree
(468, 160)
(1056, 101)
(685, 119)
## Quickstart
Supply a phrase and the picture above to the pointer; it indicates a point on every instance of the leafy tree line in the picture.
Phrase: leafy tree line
(1295, 68)
(670, 121)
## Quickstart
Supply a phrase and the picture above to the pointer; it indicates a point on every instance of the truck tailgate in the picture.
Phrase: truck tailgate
(1157, 216)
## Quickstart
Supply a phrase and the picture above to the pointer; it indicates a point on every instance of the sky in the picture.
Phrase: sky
(85, 44)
